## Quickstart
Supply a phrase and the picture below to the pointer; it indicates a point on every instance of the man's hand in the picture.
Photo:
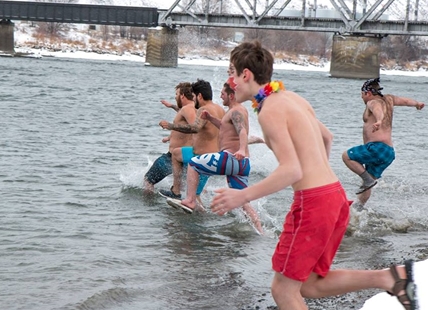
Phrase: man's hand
(166, 139)
(376, 126)
(227, 199)
(166, 103)
(164, 124)
(420, 106)
(205, 114)
(239, 155)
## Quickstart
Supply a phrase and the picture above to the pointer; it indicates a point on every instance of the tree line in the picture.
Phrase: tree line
(401, 49)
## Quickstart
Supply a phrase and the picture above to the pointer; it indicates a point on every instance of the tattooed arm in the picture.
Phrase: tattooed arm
(239, 124)
(186, 128)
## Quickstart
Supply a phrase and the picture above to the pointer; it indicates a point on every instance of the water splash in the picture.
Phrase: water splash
(132, 175)
(364, 221)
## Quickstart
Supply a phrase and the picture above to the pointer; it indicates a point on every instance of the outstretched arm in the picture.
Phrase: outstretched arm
(255, 139)
(214, 120)
(408, 102)
(170, 105)
(186, 128)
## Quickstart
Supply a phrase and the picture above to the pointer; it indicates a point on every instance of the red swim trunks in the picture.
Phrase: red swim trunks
(312, 232)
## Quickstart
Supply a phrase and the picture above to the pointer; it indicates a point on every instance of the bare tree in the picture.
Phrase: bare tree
(403, 48)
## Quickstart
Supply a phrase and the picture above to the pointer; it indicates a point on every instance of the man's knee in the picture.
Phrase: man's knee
(284, 288)
(312, 287)
(345, 156)
(275, 288)
(177, 155)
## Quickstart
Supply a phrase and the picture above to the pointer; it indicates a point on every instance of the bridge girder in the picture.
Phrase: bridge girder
(183, 13)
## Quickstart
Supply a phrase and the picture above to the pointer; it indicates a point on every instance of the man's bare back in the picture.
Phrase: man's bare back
(295, 124)
(206, 139)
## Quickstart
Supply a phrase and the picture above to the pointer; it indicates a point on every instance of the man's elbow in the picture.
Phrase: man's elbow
(296, 175)
(328, 138)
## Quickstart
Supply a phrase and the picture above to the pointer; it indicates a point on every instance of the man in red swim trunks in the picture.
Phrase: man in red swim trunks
(317, 220)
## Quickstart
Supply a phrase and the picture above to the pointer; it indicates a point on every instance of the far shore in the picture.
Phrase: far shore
(190, 60)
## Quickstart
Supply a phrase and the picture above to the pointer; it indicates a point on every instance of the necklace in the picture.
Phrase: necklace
(272, 87)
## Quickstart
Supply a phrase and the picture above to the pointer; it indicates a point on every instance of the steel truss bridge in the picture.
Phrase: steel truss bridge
(354, 17)
(347, 19)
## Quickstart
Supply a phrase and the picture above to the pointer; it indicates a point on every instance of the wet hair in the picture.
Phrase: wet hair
(185, 89)
(373, 86)
(252, 56)
(229, 86)
(228, 89)
(204, 88)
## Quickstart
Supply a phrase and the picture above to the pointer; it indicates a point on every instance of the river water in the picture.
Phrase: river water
(76, 231)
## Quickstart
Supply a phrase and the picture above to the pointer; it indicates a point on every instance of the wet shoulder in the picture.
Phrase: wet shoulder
(219, 111)
(286, 100)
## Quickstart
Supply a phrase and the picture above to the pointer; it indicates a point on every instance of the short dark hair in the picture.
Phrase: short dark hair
(185, 89)
(254, 57)
(204, 88)
(228, 89)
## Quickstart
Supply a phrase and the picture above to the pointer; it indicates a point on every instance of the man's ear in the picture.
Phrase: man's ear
(246, 74)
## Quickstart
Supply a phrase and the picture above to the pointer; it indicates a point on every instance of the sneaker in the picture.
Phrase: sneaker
(169, 194)
(366, 187)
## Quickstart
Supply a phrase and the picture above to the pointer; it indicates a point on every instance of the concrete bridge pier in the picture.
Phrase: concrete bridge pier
(7, 40)
(355, 57)
(162, 47)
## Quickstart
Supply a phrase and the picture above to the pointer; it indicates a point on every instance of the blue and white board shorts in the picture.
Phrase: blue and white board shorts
(187, 154)
(223, 163)
(375, 156)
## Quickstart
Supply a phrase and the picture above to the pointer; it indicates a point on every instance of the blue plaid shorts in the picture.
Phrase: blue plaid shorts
(374, 156)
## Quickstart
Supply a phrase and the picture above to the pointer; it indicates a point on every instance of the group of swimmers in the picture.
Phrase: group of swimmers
(317, 220)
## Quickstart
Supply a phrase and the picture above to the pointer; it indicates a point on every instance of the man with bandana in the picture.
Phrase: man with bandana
(377, 153)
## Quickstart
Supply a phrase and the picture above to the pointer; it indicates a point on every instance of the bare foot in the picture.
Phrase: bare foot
(189, 203)
(199, 205)
(148, 192)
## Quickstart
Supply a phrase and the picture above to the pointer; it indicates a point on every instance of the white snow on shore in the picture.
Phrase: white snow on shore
(24, 35)
(37, 53)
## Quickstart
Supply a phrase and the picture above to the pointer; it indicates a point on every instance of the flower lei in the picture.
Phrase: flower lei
(272, 87)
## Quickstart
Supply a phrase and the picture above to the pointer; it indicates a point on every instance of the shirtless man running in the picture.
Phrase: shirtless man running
(205, 135)
(186, 113)
(232, 160)
(377, 153)
(317, 220)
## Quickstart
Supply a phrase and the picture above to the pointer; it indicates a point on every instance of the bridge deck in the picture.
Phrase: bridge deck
(79, 13)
